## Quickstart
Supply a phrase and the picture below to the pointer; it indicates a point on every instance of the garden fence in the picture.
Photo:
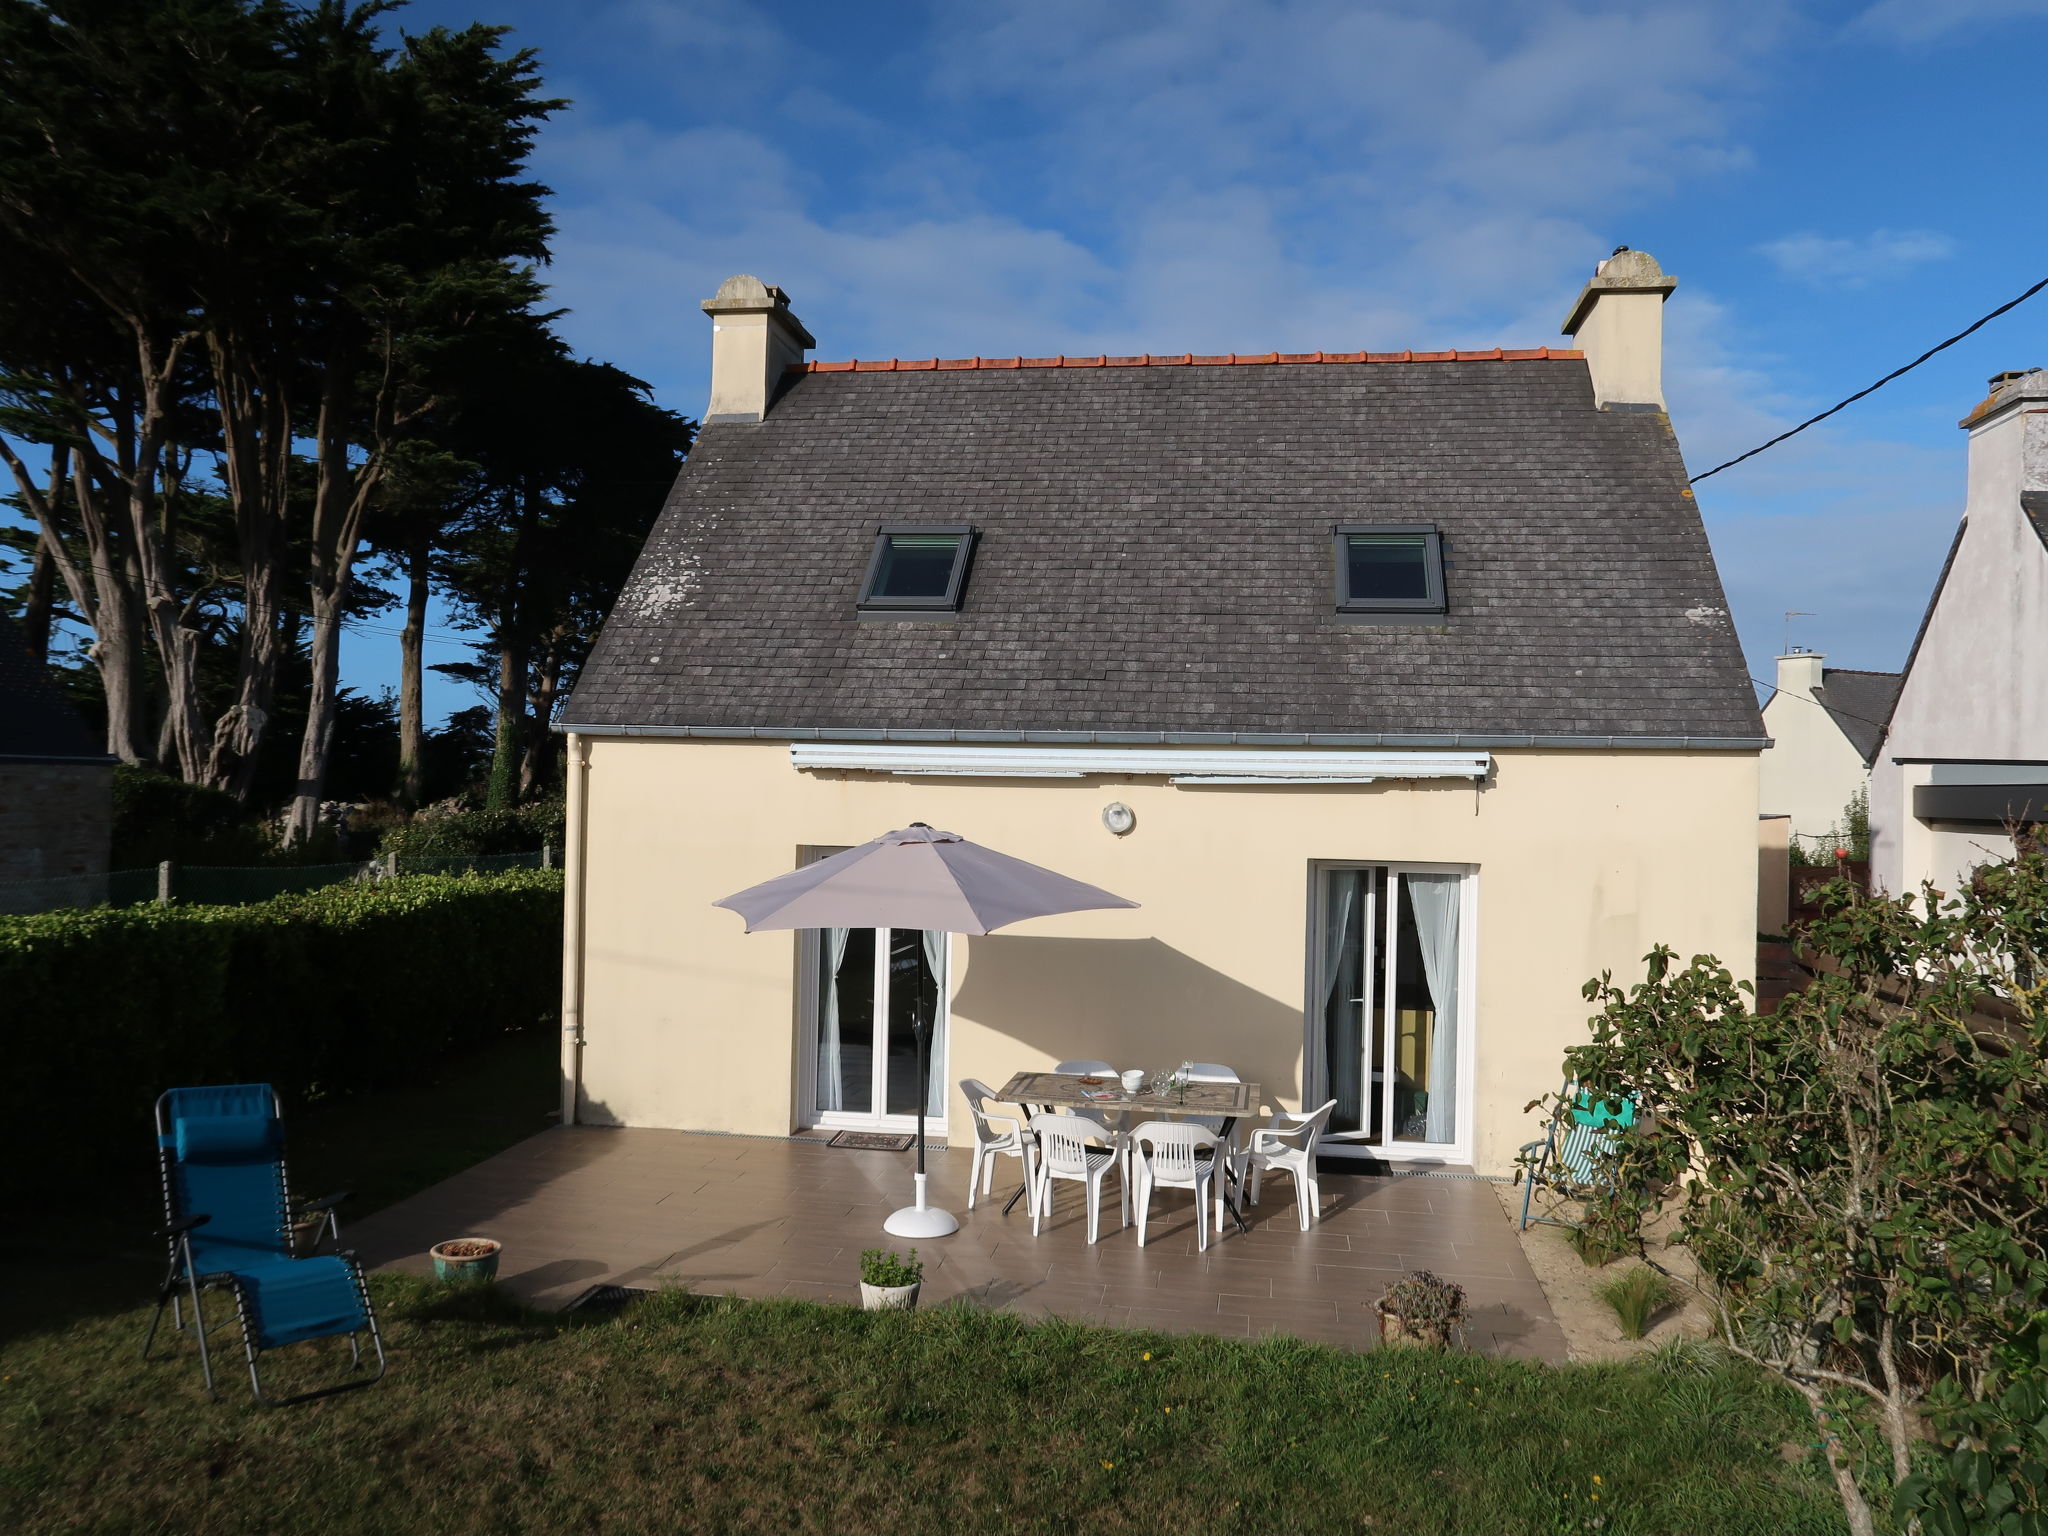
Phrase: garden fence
(242, 885)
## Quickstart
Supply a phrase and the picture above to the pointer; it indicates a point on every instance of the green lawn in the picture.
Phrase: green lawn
(718, 1415)
(709, 1415)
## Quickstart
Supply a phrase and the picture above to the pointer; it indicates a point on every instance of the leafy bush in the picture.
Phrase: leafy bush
(158, 817)
(884, 1266)
(1637, 1295)
(459, 833)
(329, 991)
(1862, 1166)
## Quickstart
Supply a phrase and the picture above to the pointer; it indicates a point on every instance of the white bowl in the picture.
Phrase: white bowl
(1133, 1080)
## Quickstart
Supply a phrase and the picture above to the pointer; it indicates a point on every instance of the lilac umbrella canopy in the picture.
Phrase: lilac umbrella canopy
(915, 878)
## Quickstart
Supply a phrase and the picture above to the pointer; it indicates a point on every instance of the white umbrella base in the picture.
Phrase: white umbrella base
(920, 1220)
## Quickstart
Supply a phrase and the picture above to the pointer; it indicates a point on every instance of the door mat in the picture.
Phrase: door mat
(607, 1298)
(873, 1141)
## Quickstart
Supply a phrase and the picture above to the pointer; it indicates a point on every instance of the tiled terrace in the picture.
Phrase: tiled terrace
(761, 1217)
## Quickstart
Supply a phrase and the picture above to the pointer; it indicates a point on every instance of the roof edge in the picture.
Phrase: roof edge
(1185, 360)
(58, 757)
(1486, 739)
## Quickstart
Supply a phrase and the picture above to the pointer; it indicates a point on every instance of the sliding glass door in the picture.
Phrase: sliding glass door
(868, 987)
(1387, 1028)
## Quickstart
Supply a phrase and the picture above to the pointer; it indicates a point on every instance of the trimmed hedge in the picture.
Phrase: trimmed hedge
(467, 833)
(322, 992)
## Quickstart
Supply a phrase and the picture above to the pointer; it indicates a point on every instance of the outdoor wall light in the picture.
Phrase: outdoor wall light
(1118, 817)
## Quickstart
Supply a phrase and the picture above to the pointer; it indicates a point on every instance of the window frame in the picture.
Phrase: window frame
(949, 602)
(1433, 601)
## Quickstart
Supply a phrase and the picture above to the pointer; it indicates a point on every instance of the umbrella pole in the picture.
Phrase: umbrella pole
(920, 1220)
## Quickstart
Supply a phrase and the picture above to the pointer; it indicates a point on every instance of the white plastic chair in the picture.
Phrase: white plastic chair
(1289, 1148)
(1064, 1153)
(1181, 1156)
(1094, 1069)
(1209, 1072)
(990, 1143)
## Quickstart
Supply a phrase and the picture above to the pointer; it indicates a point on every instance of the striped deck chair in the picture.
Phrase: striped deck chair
(1572, 1156)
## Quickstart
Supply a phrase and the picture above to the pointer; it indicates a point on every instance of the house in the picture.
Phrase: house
(1824, 723)
(1966, 749)
(56, 784)
(1398, 688)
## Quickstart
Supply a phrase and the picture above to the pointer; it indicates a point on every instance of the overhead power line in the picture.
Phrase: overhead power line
(1880, 384)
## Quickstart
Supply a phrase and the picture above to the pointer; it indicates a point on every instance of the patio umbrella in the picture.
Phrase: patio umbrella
(916, 878)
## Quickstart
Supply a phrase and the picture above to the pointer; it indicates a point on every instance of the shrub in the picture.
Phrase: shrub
(158, 817)
(1637, 1295)
(326, 991)
(884, 1266)
(471, 833)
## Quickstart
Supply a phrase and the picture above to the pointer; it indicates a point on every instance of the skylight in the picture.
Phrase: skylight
(917, 570)
(1389, 568)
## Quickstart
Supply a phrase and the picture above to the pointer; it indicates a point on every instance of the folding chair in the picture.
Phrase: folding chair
(1572, 1158)
(228, 1218)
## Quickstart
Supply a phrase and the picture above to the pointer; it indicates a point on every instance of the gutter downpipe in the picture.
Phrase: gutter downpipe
(574, 858)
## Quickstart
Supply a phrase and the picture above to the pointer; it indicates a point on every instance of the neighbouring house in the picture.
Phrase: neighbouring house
(1824, 723)
(1966, 750)
(1399, 689)
(56, 784)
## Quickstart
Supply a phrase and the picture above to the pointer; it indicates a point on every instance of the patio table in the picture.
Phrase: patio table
(1066, 1090)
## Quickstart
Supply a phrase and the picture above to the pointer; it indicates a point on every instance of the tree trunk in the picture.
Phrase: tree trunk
(42, 601)
(256, 427)
(412, 727)
(341, 496)
(503, 792)
(536, 763)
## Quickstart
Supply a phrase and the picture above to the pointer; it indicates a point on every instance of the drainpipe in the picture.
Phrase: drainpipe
(575, 857)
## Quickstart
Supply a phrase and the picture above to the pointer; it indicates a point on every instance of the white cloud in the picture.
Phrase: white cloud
(1922, 21)
(1852, 261)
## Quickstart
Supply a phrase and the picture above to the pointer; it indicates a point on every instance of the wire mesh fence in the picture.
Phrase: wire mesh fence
(240, 885)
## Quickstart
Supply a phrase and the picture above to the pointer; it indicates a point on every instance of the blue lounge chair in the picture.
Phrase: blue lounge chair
(228, 1218)
(1572, 1158)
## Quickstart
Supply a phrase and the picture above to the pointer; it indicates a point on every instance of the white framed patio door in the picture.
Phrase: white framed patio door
(864, 989)
(1390, 1034)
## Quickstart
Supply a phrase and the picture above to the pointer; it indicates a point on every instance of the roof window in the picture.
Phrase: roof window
(917, 570)
(1389, 568)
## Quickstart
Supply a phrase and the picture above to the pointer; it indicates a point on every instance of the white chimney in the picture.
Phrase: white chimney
(754, 339)
(1618, 323)
(1800, 673)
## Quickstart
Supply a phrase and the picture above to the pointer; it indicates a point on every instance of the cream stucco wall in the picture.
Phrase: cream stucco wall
(1810, 771)
(1584, 860)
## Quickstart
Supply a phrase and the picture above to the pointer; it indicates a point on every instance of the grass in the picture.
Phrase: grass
(710, 1415)
(1637, 1295)
(717, 1415)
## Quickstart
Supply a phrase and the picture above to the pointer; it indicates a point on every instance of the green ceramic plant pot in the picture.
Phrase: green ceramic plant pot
(466, 1260)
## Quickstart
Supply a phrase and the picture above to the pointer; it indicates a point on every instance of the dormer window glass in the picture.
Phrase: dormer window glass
(917, 569)
(1389, 568)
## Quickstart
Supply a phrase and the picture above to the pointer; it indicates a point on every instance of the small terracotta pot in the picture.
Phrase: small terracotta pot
(888, 1298)
(465, 1268)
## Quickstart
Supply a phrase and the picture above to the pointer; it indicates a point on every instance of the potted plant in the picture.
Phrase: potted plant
(466, 1260)
(1421, 1308)
(889, 1280)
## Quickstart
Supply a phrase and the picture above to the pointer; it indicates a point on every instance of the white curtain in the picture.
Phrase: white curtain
(1435, 902)
(832, 950)
(935, 962)
(1340, 912)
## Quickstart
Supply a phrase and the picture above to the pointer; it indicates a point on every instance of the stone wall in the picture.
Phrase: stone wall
(55, 819)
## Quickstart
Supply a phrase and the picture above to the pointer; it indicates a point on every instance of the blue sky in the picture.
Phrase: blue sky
(1837, 187)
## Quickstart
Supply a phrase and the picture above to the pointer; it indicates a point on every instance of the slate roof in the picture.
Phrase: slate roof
(36, 720)
(1860, 703)
(1155, 561)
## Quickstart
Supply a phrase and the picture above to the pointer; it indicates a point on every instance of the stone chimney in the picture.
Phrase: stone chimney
(1618, 323)
(2009, 453)
(1800, 673)
(754, 339)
